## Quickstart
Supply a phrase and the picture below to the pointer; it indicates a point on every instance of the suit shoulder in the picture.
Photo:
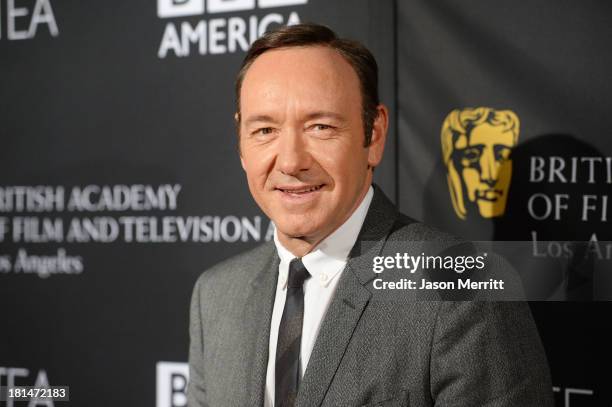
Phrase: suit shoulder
(407, 228)
(237, 269)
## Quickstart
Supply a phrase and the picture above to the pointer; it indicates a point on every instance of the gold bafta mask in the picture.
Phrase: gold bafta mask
(476, 146)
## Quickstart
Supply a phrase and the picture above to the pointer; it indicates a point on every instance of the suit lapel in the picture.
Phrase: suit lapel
(349, 302)
(257, 317)
(336, 331)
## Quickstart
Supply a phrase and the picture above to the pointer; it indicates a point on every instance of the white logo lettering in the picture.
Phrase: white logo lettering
(280, 3)
(171, 384)
(223, 6)
(179, 8)
(218, 35)
(42, 13)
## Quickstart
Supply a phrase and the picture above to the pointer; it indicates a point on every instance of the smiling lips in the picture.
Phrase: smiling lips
(299, 190)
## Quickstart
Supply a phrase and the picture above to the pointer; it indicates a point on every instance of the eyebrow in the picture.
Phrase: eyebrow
(311, 116)
(325, 114)
(258, 118)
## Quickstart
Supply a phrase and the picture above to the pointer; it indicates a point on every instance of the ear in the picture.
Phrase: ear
(379, 136)
(237, 123)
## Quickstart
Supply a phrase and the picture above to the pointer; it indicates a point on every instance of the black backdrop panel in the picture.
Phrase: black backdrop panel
(548, 65)
(128, 111)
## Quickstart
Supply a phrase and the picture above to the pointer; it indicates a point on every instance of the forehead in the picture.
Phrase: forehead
(488, 134)
(307, 77)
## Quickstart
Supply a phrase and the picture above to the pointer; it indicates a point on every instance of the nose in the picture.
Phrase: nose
(293, 156)
(488, 168)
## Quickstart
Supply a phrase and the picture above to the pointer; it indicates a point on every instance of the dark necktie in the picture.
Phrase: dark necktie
(290, 336)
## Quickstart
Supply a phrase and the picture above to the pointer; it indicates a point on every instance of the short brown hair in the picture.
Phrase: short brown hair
(356, 54)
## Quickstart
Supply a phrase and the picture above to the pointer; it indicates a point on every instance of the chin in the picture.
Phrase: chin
(295, 229)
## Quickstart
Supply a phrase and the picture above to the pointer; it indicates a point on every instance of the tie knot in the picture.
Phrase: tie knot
(297, 273)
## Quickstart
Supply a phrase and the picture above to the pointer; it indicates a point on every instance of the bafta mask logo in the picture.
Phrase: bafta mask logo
(476, 146)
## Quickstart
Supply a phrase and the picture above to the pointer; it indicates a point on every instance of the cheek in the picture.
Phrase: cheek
(256, 166)
(342, 162)
(471, 178)
(504, 174)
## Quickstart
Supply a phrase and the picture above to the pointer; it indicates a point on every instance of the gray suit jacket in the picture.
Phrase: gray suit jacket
(370, 351)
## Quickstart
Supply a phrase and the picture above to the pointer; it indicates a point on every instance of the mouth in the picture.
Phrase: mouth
(489, 194)
(299, 191)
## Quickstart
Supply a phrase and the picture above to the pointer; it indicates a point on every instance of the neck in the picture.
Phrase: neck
(298, 246)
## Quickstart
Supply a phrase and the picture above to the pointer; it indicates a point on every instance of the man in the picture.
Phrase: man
(296, 321)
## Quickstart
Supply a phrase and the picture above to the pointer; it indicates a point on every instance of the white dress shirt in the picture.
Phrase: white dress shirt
(325, 264)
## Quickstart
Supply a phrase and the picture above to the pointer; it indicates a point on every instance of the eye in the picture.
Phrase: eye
(321, 130)
(471, 154)
(502, 153)
(264, 131)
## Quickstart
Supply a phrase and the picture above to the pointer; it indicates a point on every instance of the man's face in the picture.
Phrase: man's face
(302, 140)
(486, 169)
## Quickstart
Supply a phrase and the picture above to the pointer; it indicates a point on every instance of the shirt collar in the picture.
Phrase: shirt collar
(328, 258)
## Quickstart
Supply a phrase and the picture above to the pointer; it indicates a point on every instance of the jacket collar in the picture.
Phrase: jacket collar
(373, 235)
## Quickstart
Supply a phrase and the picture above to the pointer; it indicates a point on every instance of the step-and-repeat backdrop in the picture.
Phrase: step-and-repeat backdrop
(504, 134)
(120, 180)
